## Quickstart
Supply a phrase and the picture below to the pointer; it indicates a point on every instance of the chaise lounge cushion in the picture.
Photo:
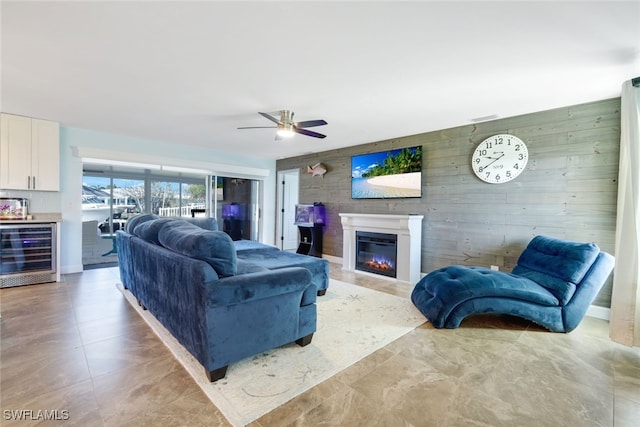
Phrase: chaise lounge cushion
(451, 286)
(214, 247)
(557, 265)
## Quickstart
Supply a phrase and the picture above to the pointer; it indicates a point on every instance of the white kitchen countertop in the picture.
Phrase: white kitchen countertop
(35, 218)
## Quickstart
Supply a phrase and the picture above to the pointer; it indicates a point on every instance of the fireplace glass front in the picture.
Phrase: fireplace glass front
(376, 253)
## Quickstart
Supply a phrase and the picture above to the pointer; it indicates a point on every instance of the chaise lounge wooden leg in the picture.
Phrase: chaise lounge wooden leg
(217, 374)
(141, 305)
(322, 292)
(304, 340)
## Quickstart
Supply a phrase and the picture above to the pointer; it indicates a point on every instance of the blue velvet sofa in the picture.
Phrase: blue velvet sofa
(266, 256)
(553, 284)
(219, 307)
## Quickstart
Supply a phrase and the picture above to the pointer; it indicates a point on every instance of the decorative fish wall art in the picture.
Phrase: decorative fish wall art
(317, 170)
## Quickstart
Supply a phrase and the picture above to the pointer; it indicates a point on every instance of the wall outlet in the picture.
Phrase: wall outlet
(495, 268)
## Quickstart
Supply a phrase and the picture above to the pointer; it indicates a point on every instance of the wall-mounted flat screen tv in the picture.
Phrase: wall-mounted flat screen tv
(387, 174)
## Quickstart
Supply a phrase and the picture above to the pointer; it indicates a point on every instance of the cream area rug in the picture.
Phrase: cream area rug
(353, 322)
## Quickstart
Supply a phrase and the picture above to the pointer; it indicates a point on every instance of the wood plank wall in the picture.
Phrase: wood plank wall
(569, 188)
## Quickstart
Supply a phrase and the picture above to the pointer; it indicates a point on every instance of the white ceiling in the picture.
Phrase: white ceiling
(193, 72)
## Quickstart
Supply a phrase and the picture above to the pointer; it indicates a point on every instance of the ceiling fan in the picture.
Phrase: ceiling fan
(287, 127)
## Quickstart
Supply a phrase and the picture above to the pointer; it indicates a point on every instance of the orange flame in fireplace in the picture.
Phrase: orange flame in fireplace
(382, 265)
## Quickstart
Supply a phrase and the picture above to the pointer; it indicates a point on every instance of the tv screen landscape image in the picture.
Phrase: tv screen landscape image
(387, 174)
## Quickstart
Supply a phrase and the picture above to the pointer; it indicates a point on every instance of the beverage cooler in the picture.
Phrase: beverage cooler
(27, 254)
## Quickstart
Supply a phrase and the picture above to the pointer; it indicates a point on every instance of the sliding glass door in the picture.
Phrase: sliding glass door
(110, 201)
(107, 203)
(172, 198)
(110, 197)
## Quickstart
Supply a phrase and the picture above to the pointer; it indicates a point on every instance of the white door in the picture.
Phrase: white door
(288, 186)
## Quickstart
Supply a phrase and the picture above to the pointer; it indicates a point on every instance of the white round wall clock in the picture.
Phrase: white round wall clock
(500, 158)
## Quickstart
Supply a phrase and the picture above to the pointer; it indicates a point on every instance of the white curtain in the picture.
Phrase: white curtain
(625, 300)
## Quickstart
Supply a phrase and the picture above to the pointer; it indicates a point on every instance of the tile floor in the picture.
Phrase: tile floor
(79, 348)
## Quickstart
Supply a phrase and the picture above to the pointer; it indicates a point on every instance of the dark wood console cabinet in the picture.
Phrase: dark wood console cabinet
(310, 240)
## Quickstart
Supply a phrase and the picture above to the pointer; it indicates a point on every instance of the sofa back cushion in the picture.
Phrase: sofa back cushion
(149, 230)
(135, 220)
(214, 247)
(558, 265)
(204, 222)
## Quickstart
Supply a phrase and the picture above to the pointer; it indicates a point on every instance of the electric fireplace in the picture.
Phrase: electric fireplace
(376, 253)
(408, 231)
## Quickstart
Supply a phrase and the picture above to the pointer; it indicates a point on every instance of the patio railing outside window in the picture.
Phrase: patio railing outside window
(180, 211)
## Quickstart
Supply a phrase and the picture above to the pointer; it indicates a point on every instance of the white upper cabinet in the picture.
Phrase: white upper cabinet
(29, 154)
(45, 155)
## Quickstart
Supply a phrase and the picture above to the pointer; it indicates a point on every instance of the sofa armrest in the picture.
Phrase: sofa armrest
(259, 285)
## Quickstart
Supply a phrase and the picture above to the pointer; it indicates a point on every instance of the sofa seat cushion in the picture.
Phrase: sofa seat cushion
(558, 265)
(274, 258)
(214, 247)
(249, 245)
(248, 267)
(441, 291)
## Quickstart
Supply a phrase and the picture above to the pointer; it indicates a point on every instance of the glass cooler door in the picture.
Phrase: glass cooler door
(27, 254)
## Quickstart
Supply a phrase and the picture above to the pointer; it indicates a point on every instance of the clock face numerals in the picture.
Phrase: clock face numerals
(500, 158)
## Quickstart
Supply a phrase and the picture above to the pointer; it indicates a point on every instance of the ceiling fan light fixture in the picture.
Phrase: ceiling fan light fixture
(286, 127)
(285, 130)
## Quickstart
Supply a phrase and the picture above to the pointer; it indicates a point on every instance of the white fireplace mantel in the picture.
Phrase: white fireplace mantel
(407, 228)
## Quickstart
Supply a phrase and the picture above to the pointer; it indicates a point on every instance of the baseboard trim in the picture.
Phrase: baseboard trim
(598, 312)
(331, 258)
(70, 269)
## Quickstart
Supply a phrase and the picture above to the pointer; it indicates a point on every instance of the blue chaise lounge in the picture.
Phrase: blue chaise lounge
(553, 285)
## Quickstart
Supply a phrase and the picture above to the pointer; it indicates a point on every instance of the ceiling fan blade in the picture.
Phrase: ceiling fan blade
(259, 127)
(311, 123)
(308, 132)
(267, 116)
